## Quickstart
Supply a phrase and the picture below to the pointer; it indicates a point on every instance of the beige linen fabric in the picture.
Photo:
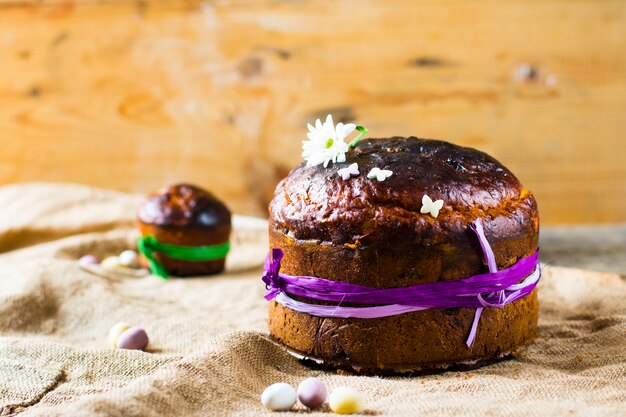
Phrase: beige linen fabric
(209, 353)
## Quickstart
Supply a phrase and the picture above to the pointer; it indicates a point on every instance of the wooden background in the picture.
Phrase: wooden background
(133, 94)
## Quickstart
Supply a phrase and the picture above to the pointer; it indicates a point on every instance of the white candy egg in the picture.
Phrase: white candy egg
(129, 258)
(279, 397)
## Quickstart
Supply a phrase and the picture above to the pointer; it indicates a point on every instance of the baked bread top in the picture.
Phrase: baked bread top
(183, 205)
(315, 203)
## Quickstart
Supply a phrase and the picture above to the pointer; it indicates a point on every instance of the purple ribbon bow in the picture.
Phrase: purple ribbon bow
(271, 278)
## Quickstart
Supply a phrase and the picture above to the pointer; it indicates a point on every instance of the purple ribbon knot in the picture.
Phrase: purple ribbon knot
(271, 278)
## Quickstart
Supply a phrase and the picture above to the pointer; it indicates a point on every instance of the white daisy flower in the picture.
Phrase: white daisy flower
(430, 206)
(326, 142)
(346, 173)
(379, 174)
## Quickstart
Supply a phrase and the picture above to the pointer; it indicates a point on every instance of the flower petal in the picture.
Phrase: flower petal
(338, 130)
(319, 148)
(345, 130)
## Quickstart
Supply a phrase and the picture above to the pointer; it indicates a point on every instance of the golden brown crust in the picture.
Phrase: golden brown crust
(313, 203)
(185, 215)
(372, 233)
(413, 342)
(182, 205)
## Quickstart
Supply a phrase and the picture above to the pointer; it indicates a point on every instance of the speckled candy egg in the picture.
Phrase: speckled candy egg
(134, 338)
(345, 400)
(312, 393)
(279, 397)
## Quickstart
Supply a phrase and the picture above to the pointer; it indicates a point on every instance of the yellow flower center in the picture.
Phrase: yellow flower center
(329, 142)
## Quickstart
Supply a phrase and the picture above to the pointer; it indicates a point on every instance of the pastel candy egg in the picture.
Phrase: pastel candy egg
(111, 263)
(88, 260)
(279, 397)
(129, 258)
(134, 338)
(345, 400)
(115, 333)
(312, 393)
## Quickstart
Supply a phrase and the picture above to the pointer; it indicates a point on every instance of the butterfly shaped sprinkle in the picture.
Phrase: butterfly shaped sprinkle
(430, 206)
(379, 174)
(346, 173)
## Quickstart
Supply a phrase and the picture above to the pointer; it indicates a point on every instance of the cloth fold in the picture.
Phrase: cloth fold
(209, 352)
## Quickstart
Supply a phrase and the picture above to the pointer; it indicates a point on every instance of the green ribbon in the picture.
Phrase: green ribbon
(148, 246)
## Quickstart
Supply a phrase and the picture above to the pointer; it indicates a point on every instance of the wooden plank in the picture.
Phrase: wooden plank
(595, 248)
(130, 95)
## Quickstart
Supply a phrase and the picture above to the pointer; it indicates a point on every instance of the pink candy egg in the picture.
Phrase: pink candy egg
(88, 260)
(134, 338)
(312, 392)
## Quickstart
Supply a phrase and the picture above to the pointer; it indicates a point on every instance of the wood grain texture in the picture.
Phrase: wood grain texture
(131, 95)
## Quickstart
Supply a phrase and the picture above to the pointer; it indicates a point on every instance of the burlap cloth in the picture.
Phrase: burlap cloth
(209, 353)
